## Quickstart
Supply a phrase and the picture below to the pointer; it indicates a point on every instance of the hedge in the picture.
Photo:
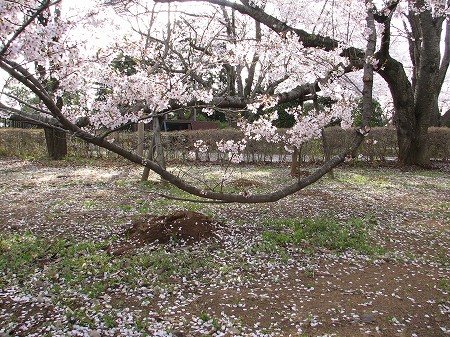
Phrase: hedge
(380, 145)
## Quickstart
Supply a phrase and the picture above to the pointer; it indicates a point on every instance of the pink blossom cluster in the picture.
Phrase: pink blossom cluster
(39, 42)
(233, 149)
(201, 146)
(262, 128)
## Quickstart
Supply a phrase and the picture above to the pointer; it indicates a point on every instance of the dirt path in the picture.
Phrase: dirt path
(58, 277)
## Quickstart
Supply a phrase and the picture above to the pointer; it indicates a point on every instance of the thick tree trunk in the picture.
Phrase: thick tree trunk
(415, 101)
(412, 115)
(445, 119)
(426, 90)
(435, 118)
(56, 143)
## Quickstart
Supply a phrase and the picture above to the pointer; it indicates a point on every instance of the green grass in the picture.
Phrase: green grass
(321, 232)
(88, 267)
(442, 258)
(441, 210)
(23, 255)
(125, 207)
(354, 178)
(363, 179)
(444, 284)
(18, 254)
(89, 204)
(163, 264)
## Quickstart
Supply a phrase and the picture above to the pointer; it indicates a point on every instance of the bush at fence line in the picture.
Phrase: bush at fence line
(379, 145)
(439, 143)
(23, 143)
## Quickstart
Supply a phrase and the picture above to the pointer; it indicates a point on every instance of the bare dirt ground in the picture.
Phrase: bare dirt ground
(73, 262)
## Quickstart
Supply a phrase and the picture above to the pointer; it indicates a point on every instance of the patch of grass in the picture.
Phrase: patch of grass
(124, 183)
(163, 264)
(87, 266)
(95, 288)
(361, 179)
(80, 262)
(165, 205)
(82, 317)
(144, 208)
(162, 205)
(89, 204)
(322, 232)
(444, 284)
(69, 184)
(205, 317)
(18, 254)
(125, 207)
(442, 257)
(55, 215)
(109, 321)
(79, 160)
(354, 178)
(441, 210)
(76, 264)
(196, 207)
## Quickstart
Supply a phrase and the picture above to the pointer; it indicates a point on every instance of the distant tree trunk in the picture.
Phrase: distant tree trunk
(141, 138)
(56, 143)
(327, 151)
(156, 151)
(295, 162)
(56, 140)
(435, 119)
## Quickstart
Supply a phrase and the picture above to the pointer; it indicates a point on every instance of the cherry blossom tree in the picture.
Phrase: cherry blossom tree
(415, 96)
(250, 68)
(166, 80)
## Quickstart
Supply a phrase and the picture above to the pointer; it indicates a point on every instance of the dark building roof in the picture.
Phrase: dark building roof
(176, 125)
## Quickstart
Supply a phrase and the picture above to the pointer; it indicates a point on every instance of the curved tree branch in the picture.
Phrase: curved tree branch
(28, 80)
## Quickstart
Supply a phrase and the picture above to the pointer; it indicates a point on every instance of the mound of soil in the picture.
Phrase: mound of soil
(183, 226)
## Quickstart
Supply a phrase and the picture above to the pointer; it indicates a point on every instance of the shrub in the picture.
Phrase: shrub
(379, 145)
(322, 232)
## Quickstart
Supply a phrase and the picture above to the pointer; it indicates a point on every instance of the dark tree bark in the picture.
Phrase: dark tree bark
(415, 101)
(445, 120)
(56, 143)
(295, 162)
(55, 139)
(404, 119)
(156, 151)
